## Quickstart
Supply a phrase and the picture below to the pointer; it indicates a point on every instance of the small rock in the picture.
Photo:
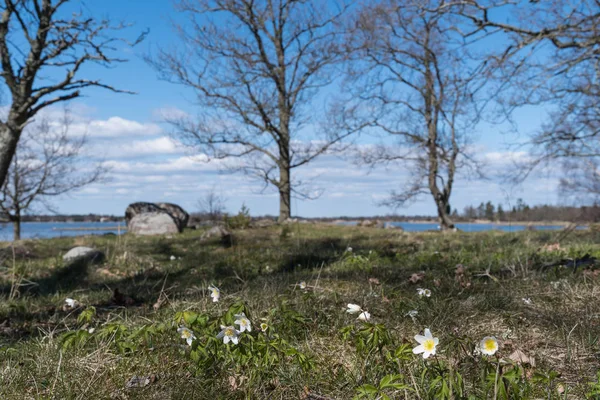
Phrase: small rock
(93, 256)
(391, 225)
(262, 223)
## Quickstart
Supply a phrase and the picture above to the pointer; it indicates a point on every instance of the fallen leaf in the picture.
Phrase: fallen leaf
(417, 277)
(521, 358)
(161, 300)
(232, 383)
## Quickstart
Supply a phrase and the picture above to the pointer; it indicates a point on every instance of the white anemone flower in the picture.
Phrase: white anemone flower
(243, 322)
(186, 334)
(424, 292)
(527, 300)
(412, 314)
(349, 249)
(228, 333)
(173, 258)
(215, 293)
(264, 326)
(488, 345)
(364, 316)
(353, 308)
(303, 285)
(71, 302)
(427, 344)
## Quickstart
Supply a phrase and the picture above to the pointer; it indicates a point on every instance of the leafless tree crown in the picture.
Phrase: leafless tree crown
(414, 75)
(257, 67)
(551, 58)
(39, 39)
(49, 162)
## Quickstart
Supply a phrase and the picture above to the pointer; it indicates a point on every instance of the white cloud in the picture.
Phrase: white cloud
(169, 113)
(160, 146)
(113, 127)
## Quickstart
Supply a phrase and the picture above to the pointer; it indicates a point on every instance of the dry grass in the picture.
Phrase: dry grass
(559, 328)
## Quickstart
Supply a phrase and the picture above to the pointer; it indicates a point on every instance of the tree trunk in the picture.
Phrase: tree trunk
(17, 228)
(442, 209)
(285, 194)
(9, 137)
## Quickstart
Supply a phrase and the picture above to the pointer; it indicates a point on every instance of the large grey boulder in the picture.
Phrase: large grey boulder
(139, 208)
(152, 223)
(177, 214)
(88, 254)
(180, 216)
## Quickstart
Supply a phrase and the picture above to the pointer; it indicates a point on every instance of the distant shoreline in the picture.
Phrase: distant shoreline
(474, 222)
(108, 228)
(486, 222)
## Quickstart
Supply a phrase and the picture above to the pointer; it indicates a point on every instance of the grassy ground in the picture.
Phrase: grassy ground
(312, 348)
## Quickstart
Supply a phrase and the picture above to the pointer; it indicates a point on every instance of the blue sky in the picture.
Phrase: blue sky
(147, 165)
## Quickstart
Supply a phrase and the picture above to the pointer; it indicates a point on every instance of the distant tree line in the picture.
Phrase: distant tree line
(522, 212)
(65, 218)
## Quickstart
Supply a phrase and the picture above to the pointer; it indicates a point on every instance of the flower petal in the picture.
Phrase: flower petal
(420, 338)
(419, 349)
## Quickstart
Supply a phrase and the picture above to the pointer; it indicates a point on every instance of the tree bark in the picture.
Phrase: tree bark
(442, 209)
(285, 194)
(9, 137)
(16, 228)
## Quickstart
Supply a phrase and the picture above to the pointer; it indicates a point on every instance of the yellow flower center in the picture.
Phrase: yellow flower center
(263, 326)
(429, 345)
(215, 292)
(229, 332)
(186, 334)
(243, 322)
(490, 345)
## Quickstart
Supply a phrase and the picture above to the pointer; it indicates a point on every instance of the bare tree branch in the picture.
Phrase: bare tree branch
(48, 163)
(257, 67)
(419, 83)
(51, 42)
(551, 56)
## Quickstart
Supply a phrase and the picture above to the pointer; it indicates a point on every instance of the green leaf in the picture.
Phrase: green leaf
(367, 389)
(189, 317)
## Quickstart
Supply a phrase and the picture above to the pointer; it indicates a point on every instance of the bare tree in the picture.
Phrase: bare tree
(581, 180)
(212, 205)
(40, 39)
(551, 57)
(258, 67)
(48, 163)
(415, 77)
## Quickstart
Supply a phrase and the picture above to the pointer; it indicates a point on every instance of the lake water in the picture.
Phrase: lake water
(38, 230)
(467, 227)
